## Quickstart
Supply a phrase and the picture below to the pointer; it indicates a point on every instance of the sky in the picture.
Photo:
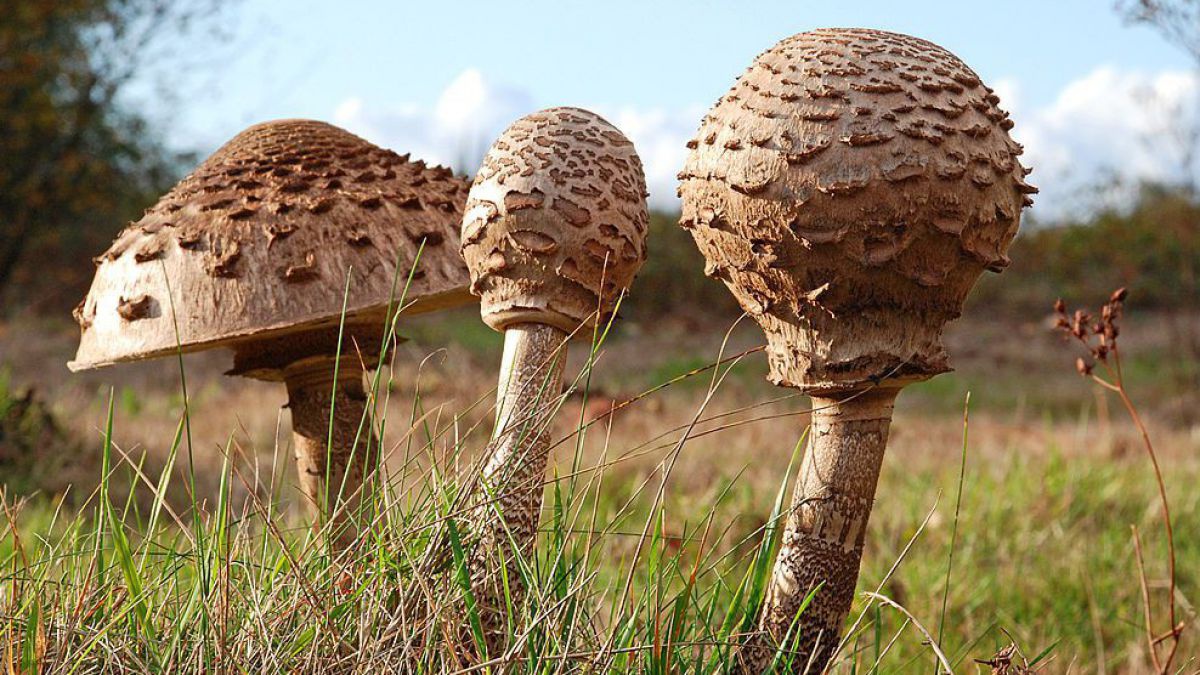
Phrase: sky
(1093, 98)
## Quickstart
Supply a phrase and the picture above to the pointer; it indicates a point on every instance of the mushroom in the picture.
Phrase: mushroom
(849, 190)
(554, 232)
(253, 251)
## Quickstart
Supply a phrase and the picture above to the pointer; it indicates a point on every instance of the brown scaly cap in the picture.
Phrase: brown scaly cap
(556, 221)
(256, 244)
(849, 189)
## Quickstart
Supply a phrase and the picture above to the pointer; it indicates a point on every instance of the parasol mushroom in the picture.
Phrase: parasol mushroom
(849, 190)
(253, 251)
(554, 232)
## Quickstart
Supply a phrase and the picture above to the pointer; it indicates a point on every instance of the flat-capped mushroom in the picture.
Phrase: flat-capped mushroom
(252, 252)
(554, 232)
(849, 190)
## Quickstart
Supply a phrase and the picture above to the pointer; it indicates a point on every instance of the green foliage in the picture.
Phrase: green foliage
(671, 283)
(1152, 248)
(36, 452)
(625, 579)
(1043, 552)
(76, 159)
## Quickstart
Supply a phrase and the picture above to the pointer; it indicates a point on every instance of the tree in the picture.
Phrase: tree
(75, 158)
(1178, 21)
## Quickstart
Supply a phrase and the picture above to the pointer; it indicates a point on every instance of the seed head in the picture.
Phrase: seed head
(1099, 336)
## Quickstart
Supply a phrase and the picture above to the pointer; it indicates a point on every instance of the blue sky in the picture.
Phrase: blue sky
(442, 78)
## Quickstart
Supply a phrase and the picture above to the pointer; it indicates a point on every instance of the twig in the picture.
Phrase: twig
(932, 642)
(1100, 339)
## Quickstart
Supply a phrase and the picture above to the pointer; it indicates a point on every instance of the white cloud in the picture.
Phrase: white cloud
(1009, 91)
(661, 138)
(1109, 124)
(473, 110)
(456, 131)
(406, 128)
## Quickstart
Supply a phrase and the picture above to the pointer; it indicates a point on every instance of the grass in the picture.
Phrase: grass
(1044, 554)
(639, 569)
(1056, 567)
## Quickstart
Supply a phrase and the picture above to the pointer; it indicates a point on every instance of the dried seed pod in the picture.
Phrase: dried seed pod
(895, 217)
(556, 221)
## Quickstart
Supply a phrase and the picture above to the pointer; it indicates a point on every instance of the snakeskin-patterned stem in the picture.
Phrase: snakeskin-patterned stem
(823, 537)
(336, 492)
(504, 517)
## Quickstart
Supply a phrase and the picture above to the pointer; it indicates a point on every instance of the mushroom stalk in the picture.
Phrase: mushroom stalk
(333, 487)
(505, 514)
(823, 538)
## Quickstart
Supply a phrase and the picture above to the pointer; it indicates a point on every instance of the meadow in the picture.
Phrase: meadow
(1001, 519)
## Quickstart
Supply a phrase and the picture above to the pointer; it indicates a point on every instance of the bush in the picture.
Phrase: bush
(672, 282)
(1152, 248)
(36, 452)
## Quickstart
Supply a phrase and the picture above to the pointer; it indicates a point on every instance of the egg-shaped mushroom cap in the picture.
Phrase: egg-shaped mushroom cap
(850, 189)
(256, 245)
(555, 224)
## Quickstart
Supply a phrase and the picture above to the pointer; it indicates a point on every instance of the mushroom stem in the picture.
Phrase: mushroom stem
(823, 538)
(504, 516)
(333, 490)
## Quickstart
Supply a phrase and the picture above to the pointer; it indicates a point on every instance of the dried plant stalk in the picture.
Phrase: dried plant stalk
(1099, 338)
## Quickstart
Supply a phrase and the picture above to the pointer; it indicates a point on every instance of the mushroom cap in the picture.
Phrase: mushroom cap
(555, 224)
(253, 248)
(849, 190)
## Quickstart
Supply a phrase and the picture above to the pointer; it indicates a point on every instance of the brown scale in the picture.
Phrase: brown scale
(608, 183)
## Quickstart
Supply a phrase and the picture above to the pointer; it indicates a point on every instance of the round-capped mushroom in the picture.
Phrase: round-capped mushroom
(849, 190)
(252, 252)
(554, 232)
